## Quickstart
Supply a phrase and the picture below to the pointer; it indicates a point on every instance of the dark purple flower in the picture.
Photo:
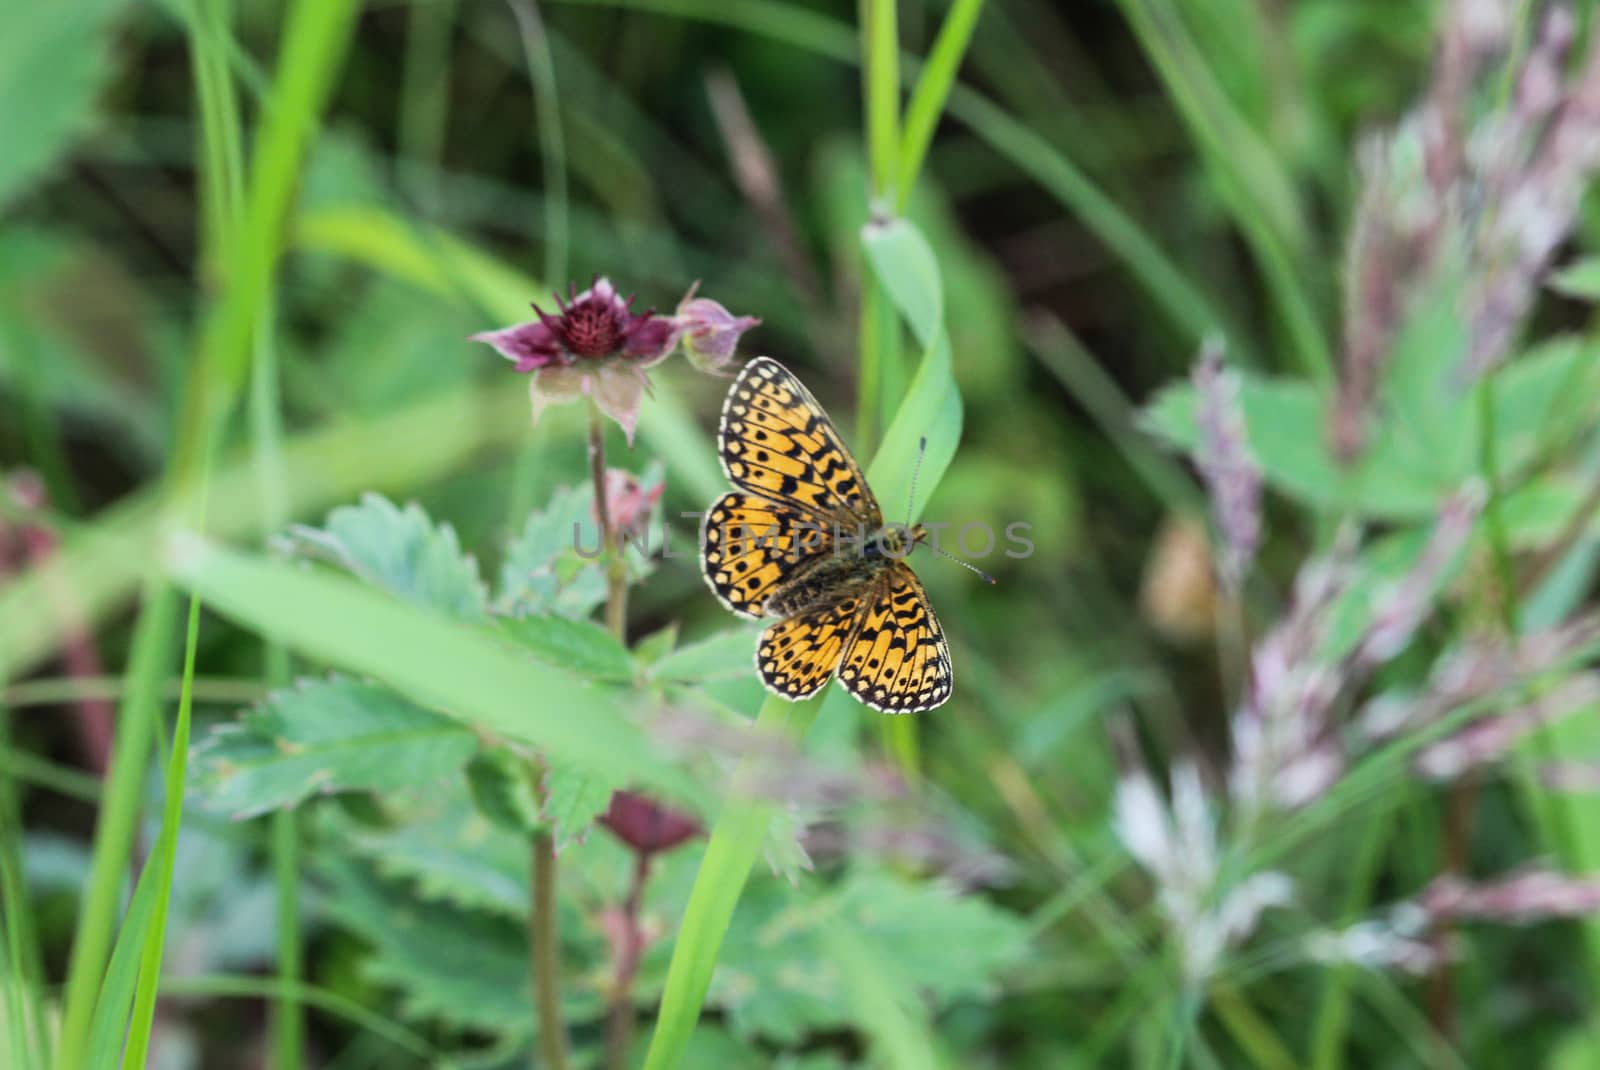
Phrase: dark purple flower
(647, 826)
(596, 347)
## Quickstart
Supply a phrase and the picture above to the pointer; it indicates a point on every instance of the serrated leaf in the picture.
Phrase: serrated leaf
(326, 736)
(551, 565)
(464, 968)
(581, 646)
(777, 979)
(53, 59)
(573, 800)
(502, 790)
(728, 655)
(446, 851)
(402, 551)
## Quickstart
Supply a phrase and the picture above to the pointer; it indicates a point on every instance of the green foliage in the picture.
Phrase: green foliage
(778, 979)
(56, 57)
(726, 655)
(326, 736)
(581, 646)
(1426, 443)
(572, 800)
(550, 565)
(401, 551)
(466, 969)
(440, 845)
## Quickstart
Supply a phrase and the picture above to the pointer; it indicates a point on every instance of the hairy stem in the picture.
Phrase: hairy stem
(616, 572)
(619, 1026)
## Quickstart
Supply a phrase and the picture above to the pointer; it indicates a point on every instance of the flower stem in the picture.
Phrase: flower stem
(616, 572)
(545, 953)
(619, 1028)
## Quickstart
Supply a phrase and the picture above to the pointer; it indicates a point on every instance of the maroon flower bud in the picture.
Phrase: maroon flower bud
(646, 826)
(710, 332)
(628, 503)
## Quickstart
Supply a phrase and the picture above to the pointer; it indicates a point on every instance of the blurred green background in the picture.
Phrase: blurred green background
(1112, 181)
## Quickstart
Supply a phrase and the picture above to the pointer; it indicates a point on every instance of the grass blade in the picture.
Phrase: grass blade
(932, 91)
(732, 850)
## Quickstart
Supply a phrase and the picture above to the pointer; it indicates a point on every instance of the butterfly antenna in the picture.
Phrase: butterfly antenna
(922, 448)
(964, 564)
(916, 470)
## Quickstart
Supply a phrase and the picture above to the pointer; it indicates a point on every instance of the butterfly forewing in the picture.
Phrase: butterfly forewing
(776, 441)
(752, 546)
(897, 661)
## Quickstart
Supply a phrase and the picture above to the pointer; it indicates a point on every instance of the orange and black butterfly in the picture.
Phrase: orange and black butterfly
(803, 540)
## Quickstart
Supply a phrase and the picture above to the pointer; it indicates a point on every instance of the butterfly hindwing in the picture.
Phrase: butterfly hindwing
(898, 661)
(799, 654)
(751, 546)
(775, 441)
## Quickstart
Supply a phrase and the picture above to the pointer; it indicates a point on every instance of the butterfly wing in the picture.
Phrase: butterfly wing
(751, 546)
(775, 441)
(798, 655)
(897, 661)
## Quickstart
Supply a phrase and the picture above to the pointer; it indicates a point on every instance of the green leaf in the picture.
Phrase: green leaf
(931, 410)
(326, 736)
(402, 551)
(727, 655)
(109, 1026)
(502, 790)
(464, 968)
(53, 60)
(1580, 280)
(544, 570)
(779, 979)
(437, 662)
(580, 646)
(572, 801)
(447, 851)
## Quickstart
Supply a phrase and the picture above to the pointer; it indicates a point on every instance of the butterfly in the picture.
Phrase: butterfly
(802, 539)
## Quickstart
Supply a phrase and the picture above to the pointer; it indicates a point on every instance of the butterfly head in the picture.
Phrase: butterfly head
(896, 540)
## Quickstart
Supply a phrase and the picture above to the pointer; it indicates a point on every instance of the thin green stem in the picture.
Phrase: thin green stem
(165, 856)
(616, 568)
(932, 91)
(880, 74)
(879, 329)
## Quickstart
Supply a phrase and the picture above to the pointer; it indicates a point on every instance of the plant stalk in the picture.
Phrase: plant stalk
(616, 571)
(619, 1026)
(546, 956)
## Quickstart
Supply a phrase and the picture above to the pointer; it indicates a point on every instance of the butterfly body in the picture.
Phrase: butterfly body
(803, 540)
